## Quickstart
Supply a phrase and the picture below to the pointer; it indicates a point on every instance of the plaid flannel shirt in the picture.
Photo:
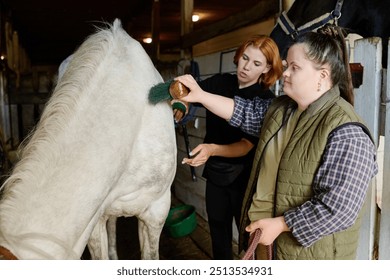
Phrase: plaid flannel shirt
(340, 185)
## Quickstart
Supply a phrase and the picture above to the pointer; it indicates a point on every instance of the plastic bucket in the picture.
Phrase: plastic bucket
(181, 220)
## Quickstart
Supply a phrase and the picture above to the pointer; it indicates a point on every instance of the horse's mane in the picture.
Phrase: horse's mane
(76, 79)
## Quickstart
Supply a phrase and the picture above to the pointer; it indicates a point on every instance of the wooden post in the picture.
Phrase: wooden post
(156, 31)
(5, 130)
(15, 46)
(384, 233)
(187, 7)
(368, 52)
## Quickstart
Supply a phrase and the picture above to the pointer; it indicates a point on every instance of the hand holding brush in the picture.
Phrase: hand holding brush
(167, 91)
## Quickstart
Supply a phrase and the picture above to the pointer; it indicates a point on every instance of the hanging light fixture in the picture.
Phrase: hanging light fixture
(195, 18)
(147, 40)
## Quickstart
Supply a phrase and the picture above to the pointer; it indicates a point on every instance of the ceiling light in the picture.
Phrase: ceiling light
(195, 18)
(147, 40)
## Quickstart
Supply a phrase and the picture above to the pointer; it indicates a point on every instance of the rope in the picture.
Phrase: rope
(254, 239)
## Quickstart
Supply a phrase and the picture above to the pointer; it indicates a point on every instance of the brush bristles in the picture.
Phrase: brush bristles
(159, 93)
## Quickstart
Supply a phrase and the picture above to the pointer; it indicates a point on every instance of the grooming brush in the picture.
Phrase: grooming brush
(167, 91)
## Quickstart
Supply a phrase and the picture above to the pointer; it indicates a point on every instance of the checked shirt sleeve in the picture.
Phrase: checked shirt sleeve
(249, 114)
(340, 186)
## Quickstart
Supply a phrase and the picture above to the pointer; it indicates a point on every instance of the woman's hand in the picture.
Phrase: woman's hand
(178, 115)
(180, 109)
(219, 105)
(201, 154)
(271, 228)
(195, 94)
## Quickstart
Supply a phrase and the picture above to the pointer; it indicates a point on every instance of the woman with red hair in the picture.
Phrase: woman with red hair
(227, 152)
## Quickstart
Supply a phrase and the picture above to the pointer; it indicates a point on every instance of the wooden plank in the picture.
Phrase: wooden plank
(368, 52)
(367, 97)
(384, 233)
(257, 13)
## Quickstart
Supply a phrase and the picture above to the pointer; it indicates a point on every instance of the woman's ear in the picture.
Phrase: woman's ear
(324, 73)
(325, 79)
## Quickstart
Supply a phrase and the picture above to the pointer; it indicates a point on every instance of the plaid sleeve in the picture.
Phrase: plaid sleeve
(340, 186)
(249, 114)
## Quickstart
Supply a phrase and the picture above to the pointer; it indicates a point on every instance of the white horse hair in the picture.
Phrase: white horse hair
(100, 150)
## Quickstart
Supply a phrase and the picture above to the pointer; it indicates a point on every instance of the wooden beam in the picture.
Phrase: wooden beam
(156, 24)
(187, 8)
(257, 13)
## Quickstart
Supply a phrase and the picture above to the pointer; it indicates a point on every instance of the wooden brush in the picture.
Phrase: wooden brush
(167, 91)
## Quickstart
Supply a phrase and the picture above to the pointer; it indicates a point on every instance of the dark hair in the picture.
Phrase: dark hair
(271, 52)
(327, 46)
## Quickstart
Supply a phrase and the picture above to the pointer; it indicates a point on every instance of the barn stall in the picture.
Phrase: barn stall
(27, 80)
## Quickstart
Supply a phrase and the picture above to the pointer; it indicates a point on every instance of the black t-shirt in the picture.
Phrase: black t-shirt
(218, 130)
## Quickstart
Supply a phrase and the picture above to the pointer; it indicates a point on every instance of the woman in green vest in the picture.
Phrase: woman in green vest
(315, 157)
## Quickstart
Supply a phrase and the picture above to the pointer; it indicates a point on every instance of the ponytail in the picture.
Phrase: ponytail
(327, 46)
(345, 84)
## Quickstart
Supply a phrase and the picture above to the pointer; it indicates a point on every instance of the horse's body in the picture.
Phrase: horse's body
(99, 151)
(367, 18)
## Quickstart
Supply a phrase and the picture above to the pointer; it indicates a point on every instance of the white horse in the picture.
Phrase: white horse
(100, 150)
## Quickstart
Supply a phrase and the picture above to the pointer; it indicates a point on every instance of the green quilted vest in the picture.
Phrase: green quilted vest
(298, 165)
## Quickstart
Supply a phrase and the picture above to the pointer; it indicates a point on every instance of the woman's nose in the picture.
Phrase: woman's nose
(286, 72)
